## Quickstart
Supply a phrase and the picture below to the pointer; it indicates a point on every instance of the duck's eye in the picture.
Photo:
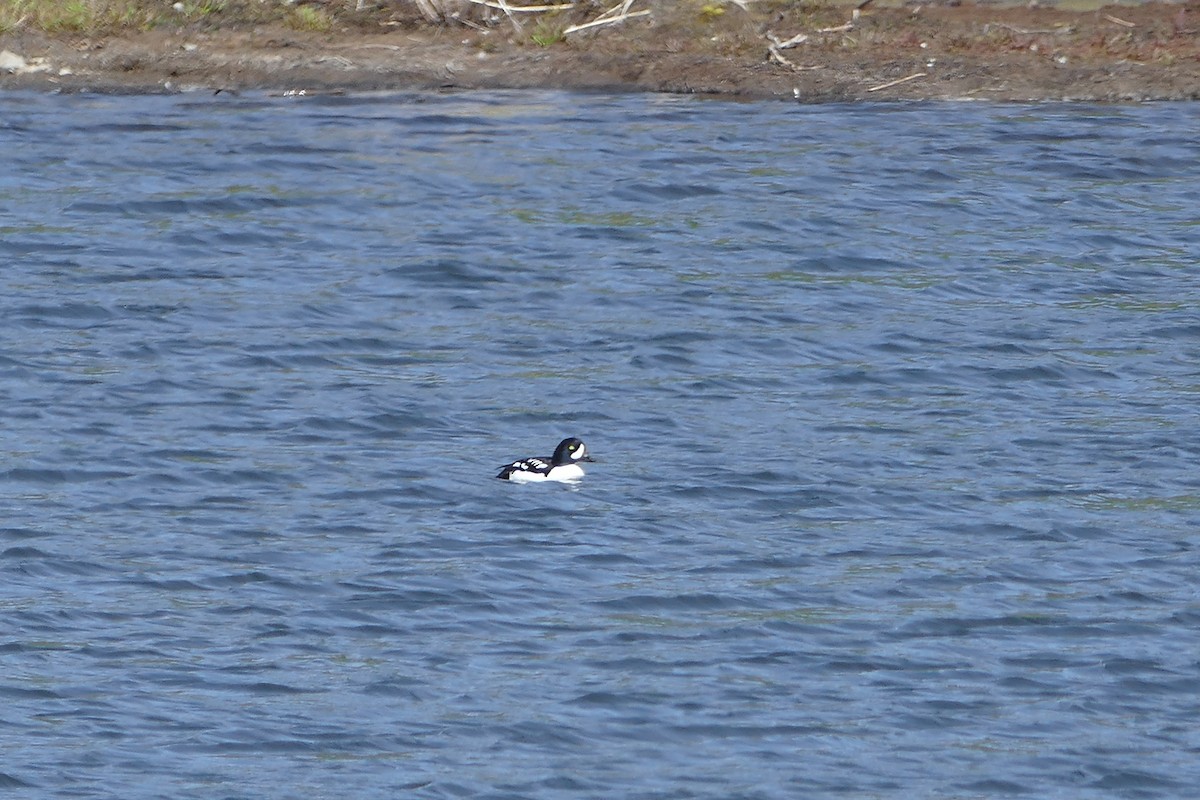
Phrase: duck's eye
(573, 447)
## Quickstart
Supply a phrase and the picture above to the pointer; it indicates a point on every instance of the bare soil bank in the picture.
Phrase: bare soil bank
(1117, 53)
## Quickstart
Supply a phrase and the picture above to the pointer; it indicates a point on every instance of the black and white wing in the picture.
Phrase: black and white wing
(526, 468)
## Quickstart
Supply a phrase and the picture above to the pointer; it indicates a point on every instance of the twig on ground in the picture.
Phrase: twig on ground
(429, 11)
(620, 9)
(610, 20)
(898, 81)
(517, 9)
(1118, 21)
(459, 18)
(837, 28)
(1062, 31)
(799, 38)
(776, 45)
(777, 56)
(511, 17)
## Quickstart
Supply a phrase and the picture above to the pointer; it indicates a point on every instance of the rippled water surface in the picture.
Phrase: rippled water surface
(895, 413)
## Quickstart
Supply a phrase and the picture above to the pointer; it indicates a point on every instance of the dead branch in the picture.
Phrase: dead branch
(511, 17)
(519, 9)
(429, 11)
(1064, 30)
(1118, 21)
(837, 28)
(898, 81)
(609, 21)
(778, 57)
(799, 38)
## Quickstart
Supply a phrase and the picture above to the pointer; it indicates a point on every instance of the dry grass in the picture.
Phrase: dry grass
(311, 18)
(98, 17)
(54, 16)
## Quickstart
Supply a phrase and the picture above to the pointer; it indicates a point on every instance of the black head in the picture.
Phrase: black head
(570, 451)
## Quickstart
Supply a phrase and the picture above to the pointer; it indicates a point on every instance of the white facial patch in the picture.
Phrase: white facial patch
(579, 452)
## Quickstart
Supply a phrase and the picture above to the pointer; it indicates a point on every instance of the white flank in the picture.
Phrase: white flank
(566, 473)
(526, 477)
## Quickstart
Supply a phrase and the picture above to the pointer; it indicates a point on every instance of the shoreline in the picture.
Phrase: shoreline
(1008, 54)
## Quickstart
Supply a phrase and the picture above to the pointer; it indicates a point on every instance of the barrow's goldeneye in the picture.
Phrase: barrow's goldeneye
(562, 466)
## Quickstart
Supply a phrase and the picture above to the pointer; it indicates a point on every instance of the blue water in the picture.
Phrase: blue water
(894, 407)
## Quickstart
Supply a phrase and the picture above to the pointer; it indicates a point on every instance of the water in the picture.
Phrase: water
(894, 408)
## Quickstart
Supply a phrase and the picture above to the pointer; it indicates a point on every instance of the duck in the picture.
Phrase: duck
(563, 466)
